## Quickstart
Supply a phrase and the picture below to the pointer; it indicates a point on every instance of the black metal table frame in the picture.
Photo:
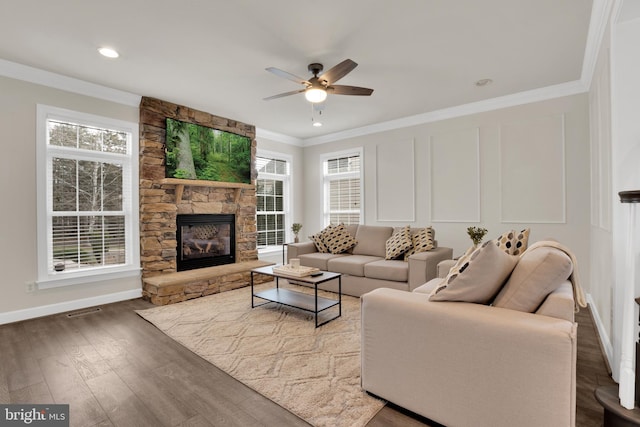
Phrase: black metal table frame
(315, 282)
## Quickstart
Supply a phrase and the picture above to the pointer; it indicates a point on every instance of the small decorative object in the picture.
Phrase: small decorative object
(59, 266)
(295, 263)
(296, 227)
(476, 234)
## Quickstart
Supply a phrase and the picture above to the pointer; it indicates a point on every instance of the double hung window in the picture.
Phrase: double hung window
(87, 198)
(343, 188)
(272, 193)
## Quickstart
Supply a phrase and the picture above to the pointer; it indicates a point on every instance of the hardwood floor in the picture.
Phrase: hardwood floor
(115, 369)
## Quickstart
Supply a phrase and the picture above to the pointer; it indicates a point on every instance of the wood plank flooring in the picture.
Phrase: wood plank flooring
(115, 369)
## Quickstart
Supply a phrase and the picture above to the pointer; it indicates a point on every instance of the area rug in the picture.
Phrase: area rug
(277, 351)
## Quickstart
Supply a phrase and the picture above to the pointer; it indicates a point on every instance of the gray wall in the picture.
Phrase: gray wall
(524, 166)
(18, 214)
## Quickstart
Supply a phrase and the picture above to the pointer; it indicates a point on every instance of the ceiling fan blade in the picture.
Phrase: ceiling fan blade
(280, 73)
(338, 72)
(281, 95)
(350, 90)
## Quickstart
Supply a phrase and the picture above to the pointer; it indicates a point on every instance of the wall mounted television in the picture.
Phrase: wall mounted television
(203, 153)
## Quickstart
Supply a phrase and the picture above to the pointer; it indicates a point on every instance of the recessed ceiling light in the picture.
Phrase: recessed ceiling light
(317, 124)
(484, 82)
(108, 52)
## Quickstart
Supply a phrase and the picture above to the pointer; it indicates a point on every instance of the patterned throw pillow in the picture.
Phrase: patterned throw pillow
(461, 264)
(505, 241)
(479, 276)
(422, 241)
(398, 243)
(512, 242)
(338, 239)
(521, 241)
(317, 240)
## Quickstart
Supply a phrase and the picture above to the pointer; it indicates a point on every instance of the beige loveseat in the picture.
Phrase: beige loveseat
(469, 364)
(365, 268)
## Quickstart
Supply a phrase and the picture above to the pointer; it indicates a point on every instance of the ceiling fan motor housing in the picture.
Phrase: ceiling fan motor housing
(315, 68)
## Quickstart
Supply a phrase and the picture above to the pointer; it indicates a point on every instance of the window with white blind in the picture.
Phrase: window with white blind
(87, 198)
(343, 188)
(272, 194)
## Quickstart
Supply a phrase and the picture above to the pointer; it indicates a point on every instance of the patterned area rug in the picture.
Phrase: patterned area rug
(277, 351)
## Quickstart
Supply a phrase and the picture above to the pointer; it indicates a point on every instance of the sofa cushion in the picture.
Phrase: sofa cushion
(399, 242)
(352, 264)
(479, 278)
(421, 241)
(338, 239)
(393, 270)
(538, 273)
(317, 259)
(372, 240)
(513, 242)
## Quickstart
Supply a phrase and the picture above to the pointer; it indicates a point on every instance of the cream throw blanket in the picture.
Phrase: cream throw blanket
(578, 293)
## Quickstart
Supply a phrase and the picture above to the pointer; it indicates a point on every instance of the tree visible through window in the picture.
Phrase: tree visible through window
(88, 198)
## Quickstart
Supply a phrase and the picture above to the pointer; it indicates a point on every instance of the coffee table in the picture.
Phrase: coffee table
(312, 303)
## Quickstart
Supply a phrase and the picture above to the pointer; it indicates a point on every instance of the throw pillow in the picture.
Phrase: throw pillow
(538, 273)
(513, 242)
(318, 239)
(479, 276)
(338, 239)
(422, 241)
(398, 243)
(521, 241)
(505, 241)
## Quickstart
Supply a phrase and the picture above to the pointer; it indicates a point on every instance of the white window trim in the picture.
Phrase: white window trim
(288, 191)
(358, 151)
(47, 279)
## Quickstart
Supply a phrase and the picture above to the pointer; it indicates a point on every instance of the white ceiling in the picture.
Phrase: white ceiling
(419, 56)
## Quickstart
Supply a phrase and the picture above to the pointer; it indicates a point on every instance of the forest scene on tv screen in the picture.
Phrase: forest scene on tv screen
(200, 152)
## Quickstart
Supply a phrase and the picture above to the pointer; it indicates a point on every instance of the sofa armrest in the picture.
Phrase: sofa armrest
(445, 266)
(423, 266)
(468, 364)
(294, 250)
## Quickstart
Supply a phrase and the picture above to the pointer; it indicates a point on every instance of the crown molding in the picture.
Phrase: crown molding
(279, 137)
(57, 81)
(520, 98)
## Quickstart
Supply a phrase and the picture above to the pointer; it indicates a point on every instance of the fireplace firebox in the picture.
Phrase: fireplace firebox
(205, 240)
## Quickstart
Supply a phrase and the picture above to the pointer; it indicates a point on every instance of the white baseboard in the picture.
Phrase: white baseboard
(46, 310)
(605, 341)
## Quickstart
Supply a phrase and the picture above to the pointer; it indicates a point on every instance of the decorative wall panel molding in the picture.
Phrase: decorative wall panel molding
(395, 181)
(455, 176)
(532, 171)
(600, 120)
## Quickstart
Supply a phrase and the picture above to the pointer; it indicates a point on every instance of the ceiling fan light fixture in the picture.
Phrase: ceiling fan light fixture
(315, 95)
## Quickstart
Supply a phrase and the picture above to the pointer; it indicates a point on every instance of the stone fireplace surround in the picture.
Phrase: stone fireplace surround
(162, 199)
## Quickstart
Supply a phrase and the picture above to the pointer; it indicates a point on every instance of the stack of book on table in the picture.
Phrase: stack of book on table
(289, 270)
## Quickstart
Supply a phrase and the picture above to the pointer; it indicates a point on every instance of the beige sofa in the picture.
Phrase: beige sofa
(365, 268)
(467, 364)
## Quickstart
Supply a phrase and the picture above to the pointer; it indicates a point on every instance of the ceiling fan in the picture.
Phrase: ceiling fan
(317, 87)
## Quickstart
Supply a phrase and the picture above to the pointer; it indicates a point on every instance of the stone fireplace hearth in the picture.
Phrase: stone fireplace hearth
(162, 199)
